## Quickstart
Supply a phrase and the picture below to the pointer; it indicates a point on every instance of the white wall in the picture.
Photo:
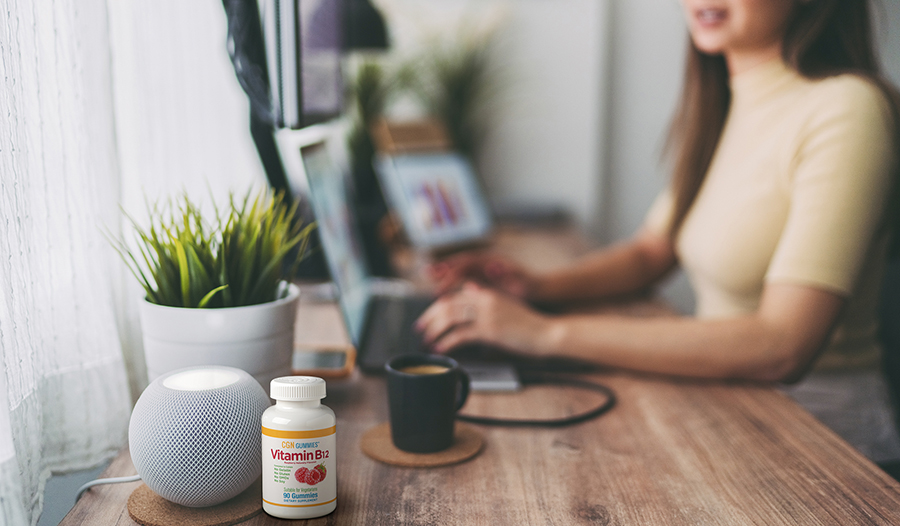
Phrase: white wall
(648, 42)
(548, 146)
(887, 29)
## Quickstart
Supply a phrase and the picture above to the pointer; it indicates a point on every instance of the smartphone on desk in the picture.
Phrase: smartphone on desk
(324, 362)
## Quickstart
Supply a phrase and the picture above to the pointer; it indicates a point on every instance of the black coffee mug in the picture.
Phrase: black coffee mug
(424, 393)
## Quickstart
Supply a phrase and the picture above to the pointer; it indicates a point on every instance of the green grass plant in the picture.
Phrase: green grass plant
(458, 83)
(237, 258)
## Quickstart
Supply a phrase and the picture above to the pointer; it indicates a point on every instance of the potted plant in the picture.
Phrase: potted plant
(458, 85)
(217, 290)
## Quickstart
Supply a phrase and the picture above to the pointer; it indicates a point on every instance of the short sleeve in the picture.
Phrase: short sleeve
(838, 188)
(659, 216)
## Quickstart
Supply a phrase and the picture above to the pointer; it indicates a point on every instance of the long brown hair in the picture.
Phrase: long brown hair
(823, 38)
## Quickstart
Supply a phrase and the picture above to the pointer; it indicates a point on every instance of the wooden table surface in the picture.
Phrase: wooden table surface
(671, 452)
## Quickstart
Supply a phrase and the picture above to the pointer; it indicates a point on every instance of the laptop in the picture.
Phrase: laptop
(379, 314)
(437, 198)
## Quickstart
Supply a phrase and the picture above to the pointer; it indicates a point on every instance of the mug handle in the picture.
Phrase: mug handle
(463, 393)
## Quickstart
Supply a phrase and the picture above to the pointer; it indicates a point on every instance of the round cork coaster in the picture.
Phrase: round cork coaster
(377, 444)
(147, 508)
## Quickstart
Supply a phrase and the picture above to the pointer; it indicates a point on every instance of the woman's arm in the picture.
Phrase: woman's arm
(777, 343)
(624, 268)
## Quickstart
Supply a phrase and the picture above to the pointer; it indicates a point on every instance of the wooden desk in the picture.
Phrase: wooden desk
(671, 452)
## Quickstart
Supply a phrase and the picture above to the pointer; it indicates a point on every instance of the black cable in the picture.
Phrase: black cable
(549, 379)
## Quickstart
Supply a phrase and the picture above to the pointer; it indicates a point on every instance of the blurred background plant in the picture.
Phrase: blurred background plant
(457, 85)
(233, 259)
(369, 90)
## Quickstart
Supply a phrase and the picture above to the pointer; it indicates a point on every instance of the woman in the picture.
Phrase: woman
(784, 157)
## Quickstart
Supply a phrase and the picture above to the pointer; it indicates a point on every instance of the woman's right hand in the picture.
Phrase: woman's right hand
(489, 270)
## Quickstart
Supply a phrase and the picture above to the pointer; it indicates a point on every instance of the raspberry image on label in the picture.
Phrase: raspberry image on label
(300, 474)
(315, 475)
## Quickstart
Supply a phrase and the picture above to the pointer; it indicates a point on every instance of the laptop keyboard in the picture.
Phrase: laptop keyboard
(390, 331)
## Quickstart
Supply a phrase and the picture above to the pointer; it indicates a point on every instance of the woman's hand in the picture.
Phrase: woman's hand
(477, 314)
(493, 271)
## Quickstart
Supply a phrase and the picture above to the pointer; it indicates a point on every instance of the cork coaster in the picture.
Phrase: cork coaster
(377, 444)
(147, 508)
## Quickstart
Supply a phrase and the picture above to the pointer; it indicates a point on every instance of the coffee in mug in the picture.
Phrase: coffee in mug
(425, 369)
(424, 393)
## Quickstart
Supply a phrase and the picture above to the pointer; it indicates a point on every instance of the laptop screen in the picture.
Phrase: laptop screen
(337, 231)
(436, 196)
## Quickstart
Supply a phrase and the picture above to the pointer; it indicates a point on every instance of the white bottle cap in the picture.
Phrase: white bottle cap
(297, 388)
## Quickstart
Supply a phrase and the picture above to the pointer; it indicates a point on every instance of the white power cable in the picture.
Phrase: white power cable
(113, 480)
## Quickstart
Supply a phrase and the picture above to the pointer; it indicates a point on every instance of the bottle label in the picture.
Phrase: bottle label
(298, 467)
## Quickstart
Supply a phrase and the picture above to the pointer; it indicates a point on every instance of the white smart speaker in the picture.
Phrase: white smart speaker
(194, 434)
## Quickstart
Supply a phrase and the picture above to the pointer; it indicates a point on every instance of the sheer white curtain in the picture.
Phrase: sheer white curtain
(101, 102)
(65, 384)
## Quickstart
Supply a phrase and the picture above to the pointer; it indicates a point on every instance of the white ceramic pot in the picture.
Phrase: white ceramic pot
(257, 338)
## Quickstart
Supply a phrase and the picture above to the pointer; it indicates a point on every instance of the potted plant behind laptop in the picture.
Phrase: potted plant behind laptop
(459, 83)
(217, 289)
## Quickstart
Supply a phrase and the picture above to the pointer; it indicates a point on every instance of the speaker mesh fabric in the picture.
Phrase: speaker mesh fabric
(198, 448)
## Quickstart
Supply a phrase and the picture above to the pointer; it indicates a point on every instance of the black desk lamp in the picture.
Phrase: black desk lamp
(364, 26)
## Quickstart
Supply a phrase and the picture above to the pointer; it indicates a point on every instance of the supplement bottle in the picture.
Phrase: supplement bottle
(298, 450)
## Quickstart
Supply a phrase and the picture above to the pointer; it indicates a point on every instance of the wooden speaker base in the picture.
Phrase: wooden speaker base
(147, 508)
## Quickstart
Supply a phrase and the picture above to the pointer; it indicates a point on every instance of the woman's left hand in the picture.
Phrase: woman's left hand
(482, 315)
